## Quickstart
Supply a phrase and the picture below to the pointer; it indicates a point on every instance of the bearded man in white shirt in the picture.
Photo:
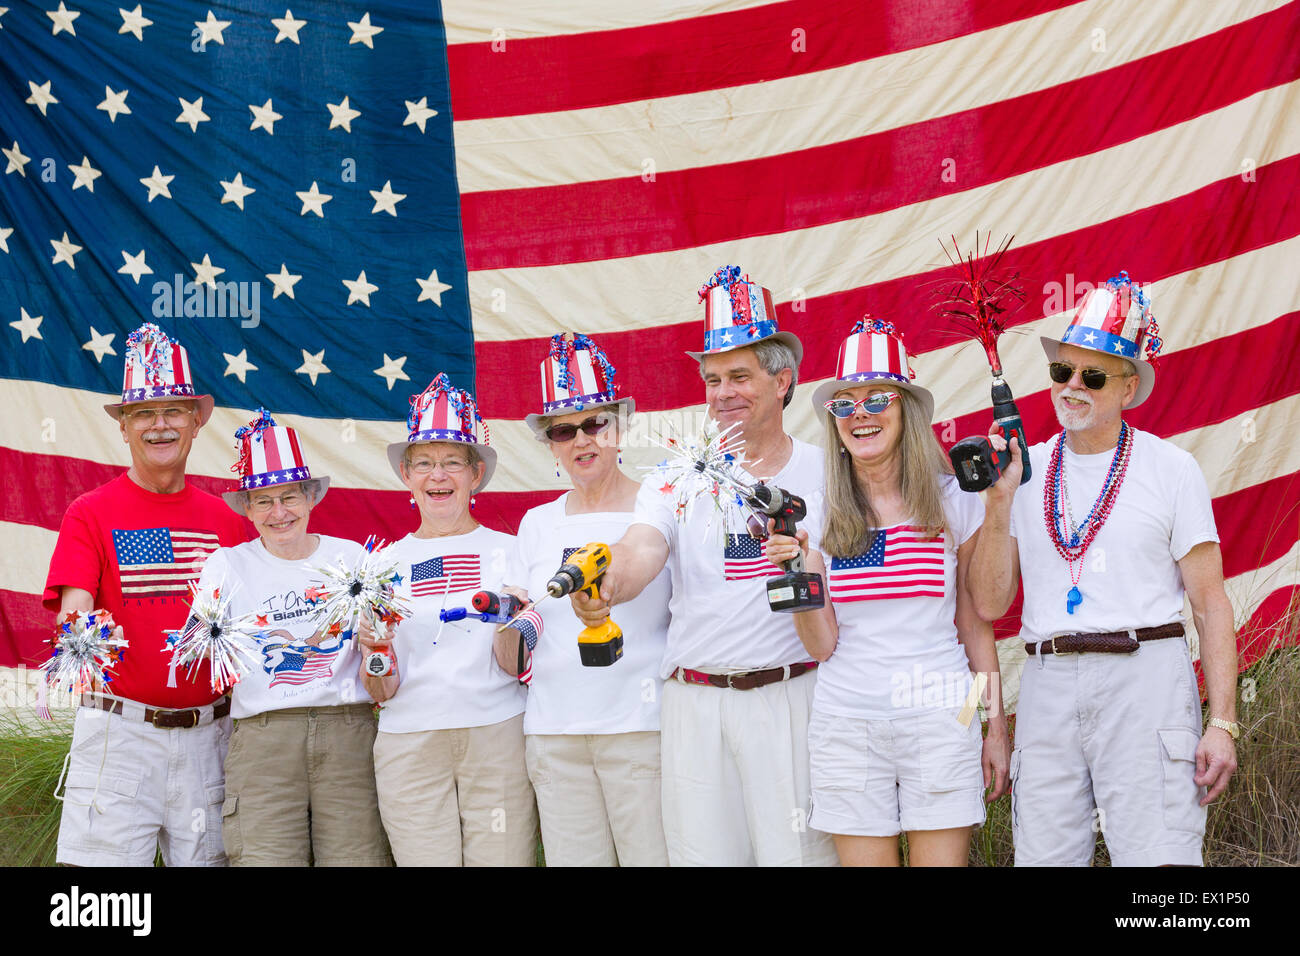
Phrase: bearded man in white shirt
(1113, 528)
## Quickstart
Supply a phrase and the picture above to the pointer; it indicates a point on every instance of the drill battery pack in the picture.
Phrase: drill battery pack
(602, 653)
(795, 591)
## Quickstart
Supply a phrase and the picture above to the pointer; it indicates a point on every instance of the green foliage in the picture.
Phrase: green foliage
(31, 759)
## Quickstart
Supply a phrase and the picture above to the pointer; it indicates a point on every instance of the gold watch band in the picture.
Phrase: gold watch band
(1231, 726)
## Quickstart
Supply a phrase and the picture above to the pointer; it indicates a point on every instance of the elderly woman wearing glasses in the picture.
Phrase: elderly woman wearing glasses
(449, 757)
(592, 732)
(894, 742)
(300, 780)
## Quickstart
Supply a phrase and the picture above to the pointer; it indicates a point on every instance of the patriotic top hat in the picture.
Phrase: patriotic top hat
(873, 352)
(1116, 318)
(737, 313)
(269, 455)
(576, 376)
(445, 413)
(157, 368)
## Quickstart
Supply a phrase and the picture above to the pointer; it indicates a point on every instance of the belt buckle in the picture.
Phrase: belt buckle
(730, 685)
(1055, 652)
(193, 712)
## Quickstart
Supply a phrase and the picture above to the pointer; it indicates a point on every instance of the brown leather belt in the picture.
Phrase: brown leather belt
(161, 718)
(749, 680)
(1110, 642)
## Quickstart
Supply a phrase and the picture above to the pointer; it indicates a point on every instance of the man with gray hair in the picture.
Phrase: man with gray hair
(738, 683)
(144, 772)
(300, 775)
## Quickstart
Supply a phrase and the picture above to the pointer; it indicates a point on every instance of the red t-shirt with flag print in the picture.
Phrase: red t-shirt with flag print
(136, 551)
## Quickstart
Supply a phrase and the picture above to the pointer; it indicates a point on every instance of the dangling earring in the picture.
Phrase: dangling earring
(471, 502)
(412, 502)
(557, 468)
(842, 451)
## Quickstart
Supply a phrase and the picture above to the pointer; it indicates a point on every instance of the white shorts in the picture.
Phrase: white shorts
(735, 775)
(132, 789)
(881, 777)
(1107, 742)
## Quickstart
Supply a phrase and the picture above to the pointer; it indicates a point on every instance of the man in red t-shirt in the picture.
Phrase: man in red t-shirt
(145, 769)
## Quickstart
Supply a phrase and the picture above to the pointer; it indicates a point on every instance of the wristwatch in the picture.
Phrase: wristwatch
(1231, 726)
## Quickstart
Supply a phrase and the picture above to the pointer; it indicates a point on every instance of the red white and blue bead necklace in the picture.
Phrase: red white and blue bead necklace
(1072, 542)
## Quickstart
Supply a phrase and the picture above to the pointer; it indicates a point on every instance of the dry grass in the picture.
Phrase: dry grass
(1257, 821)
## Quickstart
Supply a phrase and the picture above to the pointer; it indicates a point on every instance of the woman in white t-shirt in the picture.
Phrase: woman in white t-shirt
(591, 732)
(300, 778)
(449, 756)
(894, 741)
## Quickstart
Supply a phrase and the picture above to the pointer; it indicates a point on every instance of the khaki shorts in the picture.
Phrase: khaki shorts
(598, 797)
(133, 790)
(1107, 743)
(453, 797)
(300, 789)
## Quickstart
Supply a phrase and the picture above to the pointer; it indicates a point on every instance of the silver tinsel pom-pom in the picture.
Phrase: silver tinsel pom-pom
(212, 633)
(344, 593)
(84, 650)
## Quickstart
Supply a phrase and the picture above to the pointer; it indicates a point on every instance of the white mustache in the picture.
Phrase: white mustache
(167, 434)
(1077, 394)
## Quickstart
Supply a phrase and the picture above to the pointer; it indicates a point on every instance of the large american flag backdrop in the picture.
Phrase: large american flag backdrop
(604, 158)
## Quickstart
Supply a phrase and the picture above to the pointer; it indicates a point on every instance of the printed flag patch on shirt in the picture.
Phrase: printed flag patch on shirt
(745, 558)
(298, 664)
(902, 562)
(451, 572)
(158, 562)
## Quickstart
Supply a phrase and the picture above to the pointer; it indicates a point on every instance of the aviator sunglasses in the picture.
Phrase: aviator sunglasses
(872, 404)
(592, 426)
(1093, 378)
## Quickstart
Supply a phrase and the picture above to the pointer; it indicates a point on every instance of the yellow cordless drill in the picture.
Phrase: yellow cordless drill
(582, 571)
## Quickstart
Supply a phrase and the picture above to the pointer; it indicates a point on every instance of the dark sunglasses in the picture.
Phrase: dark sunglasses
(872, 404)
(1093, 378)
(592, 426)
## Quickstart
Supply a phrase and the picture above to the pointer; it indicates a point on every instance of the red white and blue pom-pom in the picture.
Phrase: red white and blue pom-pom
(212, 633)
(261, 423)
(706, 465)
(876, 326)
(85, 651)
(343, 593)
(153, 348)
(726, 277)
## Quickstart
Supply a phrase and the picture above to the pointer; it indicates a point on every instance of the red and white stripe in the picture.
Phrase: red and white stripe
(189, 550)
(273, 449)
(719, 311)
(865, 352)
(586, 377)
(177, 372)
(441, 415)
(913, 566)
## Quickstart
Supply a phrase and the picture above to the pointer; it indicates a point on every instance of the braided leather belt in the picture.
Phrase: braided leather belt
(749, 680)
(1110, 642)
(162, 719)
